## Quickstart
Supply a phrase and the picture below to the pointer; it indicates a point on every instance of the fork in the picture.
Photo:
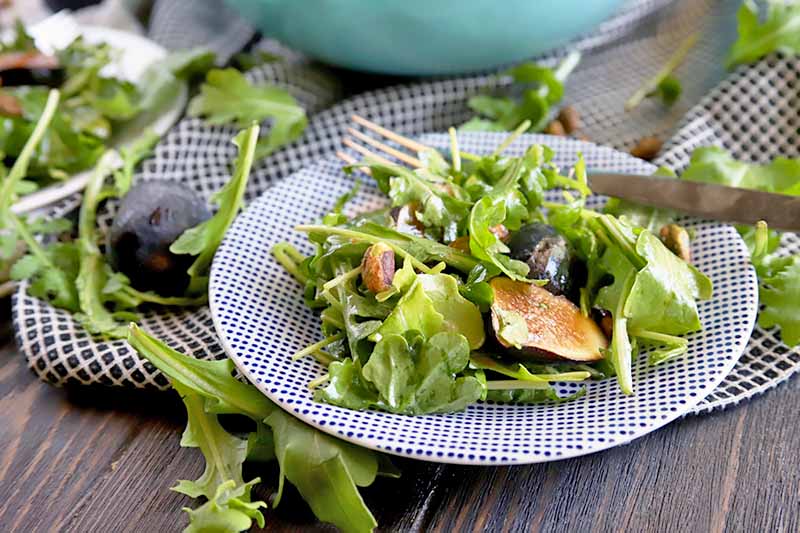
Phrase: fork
(416, 147)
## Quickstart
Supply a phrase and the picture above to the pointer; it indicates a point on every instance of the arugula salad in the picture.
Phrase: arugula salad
(95, 107)
(471, 286)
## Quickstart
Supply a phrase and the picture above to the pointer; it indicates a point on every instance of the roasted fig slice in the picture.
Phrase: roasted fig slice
(533, 323)
(550, 257)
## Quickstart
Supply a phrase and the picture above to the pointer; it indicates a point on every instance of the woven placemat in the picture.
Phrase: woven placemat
(59, 351)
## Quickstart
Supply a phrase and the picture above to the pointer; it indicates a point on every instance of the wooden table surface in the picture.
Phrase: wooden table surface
(93, 459)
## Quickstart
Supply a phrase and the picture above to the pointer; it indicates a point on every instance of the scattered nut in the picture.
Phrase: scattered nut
(377, 267)
(500, 231)
(570, 119)
(647, 148)
(555, 128)
(461, 244)
(676, 238)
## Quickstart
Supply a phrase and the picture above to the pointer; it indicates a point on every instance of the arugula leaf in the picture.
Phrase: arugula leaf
(420, 249)
(477, 289)
(715, 165)
(433, 304)
(779, 31)
(663, 84)
(227, 97)
(204, 239)
(486, 246)
(442, 205)
(52, 272)
(92, 274)
(188, 63)
(131, 155)
(410, 377)
(326, 470)
(668, 90)
(229, 505)
(540, 88)
(780, 296)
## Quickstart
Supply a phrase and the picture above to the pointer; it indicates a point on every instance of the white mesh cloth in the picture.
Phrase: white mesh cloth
(753, 112)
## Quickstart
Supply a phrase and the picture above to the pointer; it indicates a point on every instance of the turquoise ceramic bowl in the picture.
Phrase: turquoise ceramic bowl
(424, 37)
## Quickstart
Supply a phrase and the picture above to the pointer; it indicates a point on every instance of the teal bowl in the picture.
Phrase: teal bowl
(424, 37)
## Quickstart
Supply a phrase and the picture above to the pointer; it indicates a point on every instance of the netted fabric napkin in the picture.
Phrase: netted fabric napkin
(756, 102)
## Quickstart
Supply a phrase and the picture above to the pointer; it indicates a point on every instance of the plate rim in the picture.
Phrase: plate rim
(686, 408)
(160, 125)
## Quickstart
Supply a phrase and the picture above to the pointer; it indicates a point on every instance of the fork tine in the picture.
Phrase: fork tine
(399, 139)
(350, 160)
(365, 152)
(402, 156)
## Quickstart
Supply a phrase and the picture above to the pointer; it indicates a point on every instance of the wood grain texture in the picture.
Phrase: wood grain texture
(94, 459)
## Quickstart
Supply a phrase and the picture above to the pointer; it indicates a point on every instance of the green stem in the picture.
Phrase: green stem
(174, 301)
(308, 350)
(761, 244)
(454, 153)
(343, 232)
(286, 255)
(20, 168)
(342, 278)
(565, 68)
(514, 384)
(618, 237)
(522, 128)
(672, 63)
(620, 342)
(314, 383)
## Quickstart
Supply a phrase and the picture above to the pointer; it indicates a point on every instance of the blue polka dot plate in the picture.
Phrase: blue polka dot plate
(261, 319)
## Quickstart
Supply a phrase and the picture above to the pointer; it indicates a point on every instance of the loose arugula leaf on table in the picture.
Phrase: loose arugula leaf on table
(326, 470)
(779, 31)
(228, 506)
(780, 296)
(92, 274)
(668, 91)
(541, 88)
(663, 84)
(51, 271)
(131, 155)
(715, 165)
(227, 97)
(202, 240)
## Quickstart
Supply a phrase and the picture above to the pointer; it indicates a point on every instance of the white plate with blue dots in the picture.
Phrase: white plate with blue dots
(261, 319)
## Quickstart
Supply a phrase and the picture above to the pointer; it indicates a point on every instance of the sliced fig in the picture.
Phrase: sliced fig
(534, 324)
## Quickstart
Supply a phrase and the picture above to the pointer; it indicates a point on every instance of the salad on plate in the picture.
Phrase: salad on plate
(472, 286)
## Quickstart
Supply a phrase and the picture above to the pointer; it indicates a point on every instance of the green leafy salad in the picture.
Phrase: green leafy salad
(95, 108)
(472, 286)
